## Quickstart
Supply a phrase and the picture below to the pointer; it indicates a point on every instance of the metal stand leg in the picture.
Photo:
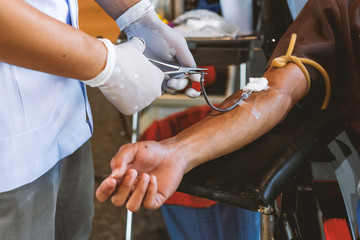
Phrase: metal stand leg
(128, 225)
(134, 138)
(267, 224)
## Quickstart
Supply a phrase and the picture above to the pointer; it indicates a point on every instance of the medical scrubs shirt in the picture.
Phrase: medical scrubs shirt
(43, 118)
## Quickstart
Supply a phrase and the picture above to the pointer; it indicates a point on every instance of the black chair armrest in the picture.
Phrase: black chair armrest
(254, 176)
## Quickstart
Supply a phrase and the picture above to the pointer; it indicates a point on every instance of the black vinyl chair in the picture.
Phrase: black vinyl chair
(255, 176)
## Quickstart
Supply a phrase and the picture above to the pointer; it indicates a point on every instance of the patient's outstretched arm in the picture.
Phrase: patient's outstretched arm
(147, 173)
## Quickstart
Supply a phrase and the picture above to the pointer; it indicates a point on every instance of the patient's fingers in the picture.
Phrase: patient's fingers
(106, 188)
(150, 198)
(138, 195)
(124, 188)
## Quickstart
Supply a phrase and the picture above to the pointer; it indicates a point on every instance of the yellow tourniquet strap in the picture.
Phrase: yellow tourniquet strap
(283, 60)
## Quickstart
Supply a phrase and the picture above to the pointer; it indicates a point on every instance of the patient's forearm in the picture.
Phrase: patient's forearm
(221, 133)
(32, 39)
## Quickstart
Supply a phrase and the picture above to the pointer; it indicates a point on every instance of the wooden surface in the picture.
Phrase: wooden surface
(94, 21)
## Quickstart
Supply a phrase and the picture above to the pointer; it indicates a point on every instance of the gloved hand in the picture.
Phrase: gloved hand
(163, 43)
(129, 81)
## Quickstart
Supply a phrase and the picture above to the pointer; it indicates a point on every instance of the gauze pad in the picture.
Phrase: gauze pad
(256, 85)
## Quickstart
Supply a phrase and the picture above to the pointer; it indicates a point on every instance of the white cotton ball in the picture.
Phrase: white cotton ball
(256, 85)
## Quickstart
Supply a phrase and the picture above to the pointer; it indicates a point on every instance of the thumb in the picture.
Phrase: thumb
(136, 43)
(185, 57)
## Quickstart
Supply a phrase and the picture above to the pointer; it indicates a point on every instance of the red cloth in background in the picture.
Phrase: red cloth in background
(169, 127)
(336, 229)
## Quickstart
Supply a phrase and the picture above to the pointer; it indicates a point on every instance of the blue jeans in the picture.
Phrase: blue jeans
(218, 222)
(58, 205)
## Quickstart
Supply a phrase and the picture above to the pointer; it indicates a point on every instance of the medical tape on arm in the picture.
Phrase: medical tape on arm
(254, 85)
(257, 85)
(275, 96)
(249, 108)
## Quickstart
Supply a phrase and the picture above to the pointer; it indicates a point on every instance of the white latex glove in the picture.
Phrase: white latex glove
(163, 43)
(129, 81)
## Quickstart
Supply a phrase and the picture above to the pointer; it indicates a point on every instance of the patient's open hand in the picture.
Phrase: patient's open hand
(144, 174)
